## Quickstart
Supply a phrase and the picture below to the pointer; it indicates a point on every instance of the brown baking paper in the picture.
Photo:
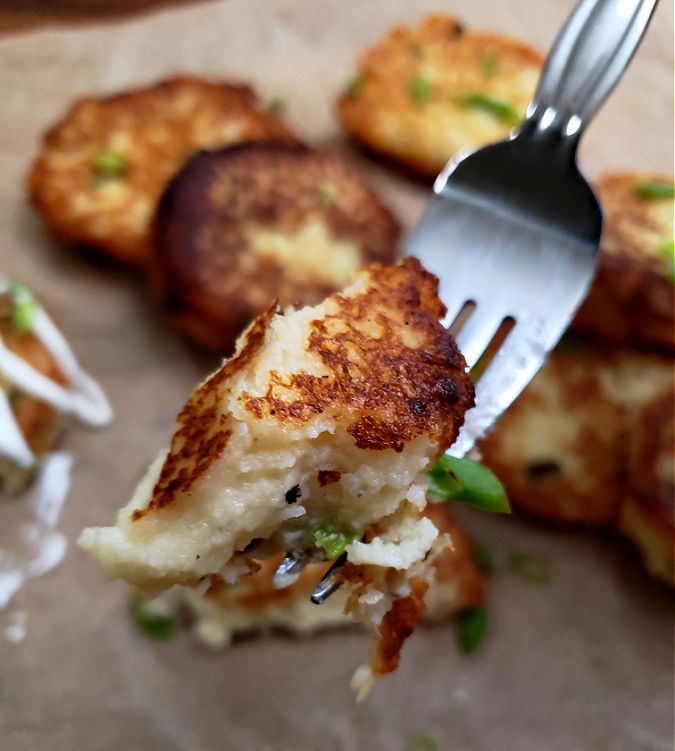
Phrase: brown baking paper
(584, 664)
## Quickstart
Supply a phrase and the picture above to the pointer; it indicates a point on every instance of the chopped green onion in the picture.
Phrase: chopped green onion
(655, 191)
(328, 193)
(277, 106)
(421, 743)
(109, 164)
(666, 250)
(355, 87)
(530, 567)
(490, 65)
(333, 539)
(472, 626)
(468, 481)
(159, 627)
(496, 107)
(483, 559)
(419, 90)
(24, 307)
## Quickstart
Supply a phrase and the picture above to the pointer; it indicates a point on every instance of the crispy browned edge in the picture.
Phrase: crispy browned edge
(69, 229)
(352, 115)
(392, 392)
(187, 212)
(631, 302)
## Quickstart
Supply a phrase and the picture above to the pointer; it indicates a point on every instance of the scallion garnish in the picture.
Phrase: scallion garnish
(159, 627)
(332, 538)
(109, 164)
(498, 108)
(277, 106)
(328, 192)
(355, 86)
(666, 250)
(421, 743)
(472, 626)
(656, 191)
(419, 90)
(530, 567)
(483, 559)
(490, 65)
(453, 479)
(24, 307)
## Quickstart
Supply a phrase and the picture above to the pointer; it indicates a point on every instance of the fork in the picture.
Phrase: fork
(513, 229)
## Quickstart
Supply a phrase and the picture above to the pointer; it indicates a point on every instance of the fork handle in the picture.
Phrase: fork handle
(587, 59)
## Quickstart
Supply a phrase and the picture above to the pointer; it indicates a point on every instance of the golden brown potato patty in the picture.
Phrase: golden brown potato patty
(632, 300)
(423, 93)
(103, 166)
(242, 226)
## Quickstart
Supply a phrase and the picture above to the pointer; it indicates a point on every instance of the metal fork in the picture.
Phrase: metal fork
(513, 229)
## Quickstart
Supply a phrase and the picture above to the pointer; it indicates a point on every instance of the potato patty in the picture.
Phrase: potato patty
(423, 93)
(240, 227)
(102, 168)
(313, 439)
(632, 299)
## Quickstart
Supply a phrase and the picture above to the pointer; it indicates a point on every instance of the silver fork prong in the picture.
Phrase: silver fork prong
(514, 365)
(331, 581)
(289, 570)
(475, 335)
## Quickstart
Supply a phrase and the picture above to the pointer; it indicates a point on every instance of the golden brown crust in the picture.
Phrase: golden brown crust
(202, 434)
(632, 300)
(560, 449)
(423, 130)
(155, 129)
(392, 374)
(405, 382)
(221, 222)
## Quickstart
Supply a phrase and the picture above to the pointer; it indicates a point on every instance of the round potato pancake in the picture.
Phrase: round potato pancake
(103, 167)
(423, 93)
(632, 299)
(242, 226)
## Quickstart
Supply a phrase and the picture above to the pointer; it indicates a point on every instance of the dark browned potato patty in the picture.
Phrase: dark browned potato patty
(632, 299)
(103, 166)
(242, 226)
(423, 93)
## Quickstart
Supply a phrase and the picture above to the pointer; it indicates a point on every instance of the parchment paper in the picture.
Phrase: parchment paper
(582, 665)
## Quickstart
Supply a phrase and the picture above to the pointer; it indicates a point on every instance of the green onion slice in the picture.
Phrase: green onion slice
(277, 106)
(530, 567)
(159, 627)
(658, 191)
(472, 627)
(328, 193)
(490, 65)
(501, 110)
(109, 164)
(468, 481)
(332, 538)
(419, 90)
(483, 559)
(24, 307)
(421, 743)
(666, 250)
(354, 88)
